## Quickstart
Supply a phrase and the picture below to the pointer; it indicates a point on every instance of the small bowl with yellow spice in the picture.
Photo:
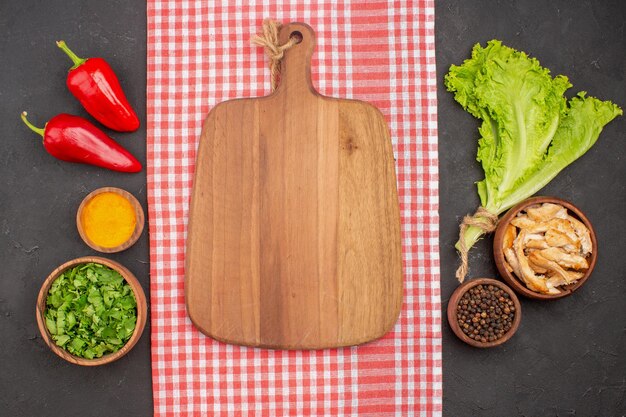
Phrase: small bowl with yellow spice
(110, 219)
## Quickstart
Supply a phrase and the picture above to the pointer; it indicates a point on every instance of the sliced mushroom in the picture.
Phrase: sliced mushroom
(534, 282)
(583, 234)
(564, 259)
(546, 212)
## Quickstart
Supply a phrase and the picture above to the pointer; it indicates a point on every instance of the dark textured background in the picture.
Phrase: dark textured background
(40, 196)
(568, 357)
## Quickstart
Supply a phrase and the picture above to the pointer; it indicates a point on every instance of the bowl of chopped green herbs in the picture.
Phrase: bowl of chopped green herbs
(91, 311)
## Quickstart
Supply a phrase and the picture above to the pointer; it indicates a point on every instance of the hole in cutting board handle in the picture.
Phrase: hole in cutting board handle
(297, 35)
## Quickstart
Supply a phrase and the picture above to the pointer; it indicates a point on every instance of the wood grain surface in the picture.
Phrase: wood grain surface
(294, 230)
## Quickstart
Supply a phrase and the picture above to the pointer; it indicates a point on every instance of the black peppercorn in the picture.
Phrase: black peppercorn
(485, 313)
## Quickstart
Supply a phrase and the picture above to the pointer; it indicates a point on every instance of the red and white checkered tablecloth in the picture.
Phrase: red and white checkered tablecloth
(199, 54)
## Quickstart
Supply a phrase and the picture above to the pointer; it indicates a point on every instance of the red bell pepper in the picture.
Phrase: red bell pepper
(94, 84)
(74, 139)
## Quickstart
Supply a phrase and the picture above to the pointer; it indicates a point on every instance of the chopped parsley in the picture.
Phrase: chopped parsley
(90, 310)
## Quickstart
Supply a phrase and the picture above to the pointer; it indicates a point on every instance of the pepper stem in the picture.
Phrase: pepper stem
(75, 59)
(29, 124)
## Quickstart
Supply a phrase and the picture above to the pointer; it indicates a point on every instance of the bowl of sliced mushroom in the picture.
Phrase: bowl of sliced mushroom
(545, 248)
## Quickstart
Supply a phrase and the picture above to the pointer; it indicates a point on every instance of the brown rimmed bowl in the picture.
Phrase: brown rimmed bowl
(139, 217)
(517, 284)
(142, 311)
(454, 301)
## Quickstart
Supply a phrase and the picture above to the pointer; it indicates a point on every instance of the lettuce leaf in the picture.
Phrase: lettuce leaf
(529, 130)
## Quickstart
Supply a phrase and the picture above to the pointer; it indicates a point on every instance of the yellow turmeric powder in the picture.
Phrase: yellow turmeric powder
(108, 219)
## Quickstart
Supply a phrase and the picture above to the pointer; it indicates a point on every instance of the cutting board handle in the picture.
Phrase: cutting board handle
(296, 64)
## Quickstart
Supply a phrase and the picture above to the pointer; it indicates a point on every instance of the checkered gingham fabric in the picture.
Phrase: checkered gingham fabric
(200, 54)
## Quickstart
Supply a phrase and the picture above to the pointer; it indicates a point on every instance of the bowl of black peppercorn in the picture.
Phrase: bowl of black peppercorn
(484, 312)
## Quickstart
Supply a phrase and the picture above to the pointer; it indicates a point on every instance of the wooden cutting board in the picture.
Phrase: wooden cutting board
(294, 229)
